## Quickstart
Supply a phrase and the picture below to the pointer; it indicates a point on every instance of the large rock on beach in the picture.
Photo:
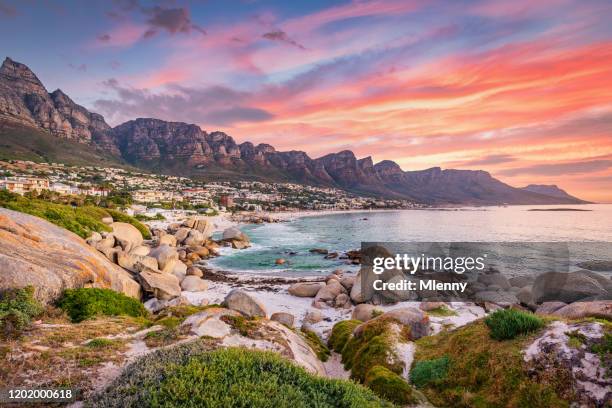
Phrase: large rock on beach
(234, 234)
(163, 286)
(126, 235)
(34, 252)
(201, 224)
(364, 312)
(571, 287)
(193, 284)
(242, 302)
(578, 310)
(167, 257)
(306, 289)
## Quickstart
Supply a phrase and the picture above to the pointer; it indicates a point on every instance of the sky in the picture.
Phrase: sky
(520, 88)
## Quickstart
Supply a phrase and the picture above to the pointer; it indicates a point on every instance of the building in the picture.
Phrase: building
(22, 185)
(152, 196)
(226, 201)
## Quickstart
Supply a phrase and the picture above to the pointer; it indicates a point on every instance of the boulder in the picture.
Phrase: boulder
(494, 279)
(242, 302)
(500, 298)
(194, 271)
(166, 256)
(141, 250)
(194, 239)
(600, 309)
(201, 224)
(521, 281)
(525, 296)
(234, 234)
(130, 262)
(284, 318)
(313, 316)
(330, 291)
(364, 312)
(427, 306)
(209, 323)
(547, 308)
(154, 305)
(571, 287)
(179, 270)
(201, 251)
(126, 235)
(306, 289)
(108, 241)
(94, 237)
(193, 284)
(107, 220)
(279, 261)
(163, 286)
(167, 239)
(348, 282)
(110, 253)
(34, 252)
(342, 300)
(181, 234)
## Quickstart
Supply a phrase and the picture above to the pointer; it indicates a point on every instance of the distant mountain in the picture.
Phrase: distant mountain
(553, 191)
(185, 149)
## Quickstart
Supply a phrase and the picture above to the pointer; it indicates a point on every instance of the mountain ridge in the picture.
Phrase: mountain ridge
(185, 149)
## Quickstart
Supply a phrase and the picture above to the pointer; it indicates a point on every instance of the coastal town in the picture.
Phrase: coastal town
(150, 193)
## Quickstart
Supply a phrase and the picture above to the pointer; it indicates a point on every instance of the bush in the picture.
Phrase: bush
(508, 323)
(389, 385)
(190, 376)
(17, 308)
(316, 344)
(85, 303)
(341, 332)
(428, 371)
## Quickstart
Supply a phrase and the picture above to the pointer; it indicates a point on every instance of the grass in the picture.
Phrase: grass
(389, 385)
(484, 372)
(246, 326)
(341, 332)
(100, 343)
(428, 371)
(163, 337)
(190, 375)
(85, 303)
(576, 339)
(80, 220)
(442, 311)
(509, 323)
(17, 308)
(316, 344)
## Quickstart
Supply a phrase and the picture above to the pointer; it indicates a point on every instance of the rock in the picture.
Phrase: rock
(181, 234)
(141, 250)
(179, 270)
(319, 251)
(193, 284)
(342, 300)
(330, 291)
(167, 239)
(313, 316)
(600, 309)
(357, 295)
(94, 237)
(166, 256)
(416, 319)
(208, 323)
(521, 281)
(494, 288)
(331, 255)
(234, 234)
(348, 282)
(129, 261)
(364, 312)
(201, 224)
(597, 265)
(127, 235)
(201, 251)
(306, 289)
(427, 306)
(178, 301)
(284, 318)
(111, 253)
(547, 308)
(194, 239)
(193, 257)
(236, 244)
(107, 241)
(332, 276)
(570, 287)
(500, 298)
(494, 279)
(194, 271)
(154, 305)
(244, 303)
(107, 220)
(280, 261)
(524, 296)
(49, 258)
(162, 285)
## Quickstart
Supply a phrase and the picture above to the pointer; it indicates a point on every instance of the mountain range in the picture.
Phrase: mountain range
(29, 112)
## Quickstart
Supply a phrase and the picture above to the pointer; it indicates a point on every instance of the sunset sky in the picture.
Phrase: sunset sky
(520, 88)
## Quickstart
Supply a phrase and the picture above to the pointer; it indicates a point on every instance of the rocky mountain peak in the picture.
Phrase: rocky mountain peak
(19, 75)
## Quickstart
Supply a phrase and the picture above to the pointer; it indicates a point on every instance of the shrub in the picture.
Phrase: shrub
(508, 323)
(189, 376)
(341, 332)
(122, 217)
(316, 344)
(17, 308)
(388, 385)
(84, 303)
(427, 371)
(100, 343)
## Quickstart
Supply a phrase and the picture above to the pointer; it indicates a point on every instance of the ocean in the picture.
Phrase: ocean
(345, 231)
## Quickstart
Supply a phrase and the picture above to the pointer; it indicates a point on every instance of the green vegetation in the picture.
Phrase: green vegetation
(189, 375)
(100, 343)
(17, 308)
(576, 339)
(389, 385)
(442, 311)
(163, 337)
(428, 371)
(85, 303)
(341, 332)
(484, 372)
(246, 326)
(142, 217)
(604, 350)
(508, 323)
(316, 344)
(80, 220)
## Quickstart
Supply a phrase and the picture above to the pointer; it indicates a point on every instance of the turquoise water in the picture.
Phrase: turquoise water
(342, 232)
